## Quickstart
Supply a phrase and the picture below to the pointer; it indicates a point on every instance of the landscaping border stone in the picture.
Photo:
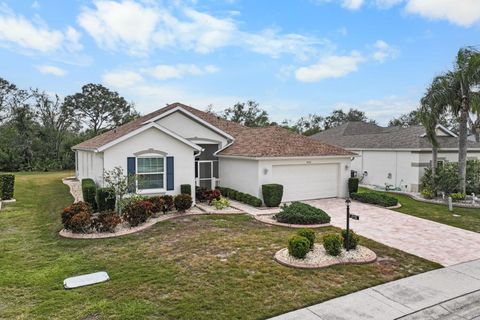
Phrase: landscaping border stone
(361, 255)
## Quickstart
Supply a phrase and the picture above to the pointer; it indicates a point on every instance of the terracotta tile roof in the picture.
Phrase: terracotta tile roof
(271, 141)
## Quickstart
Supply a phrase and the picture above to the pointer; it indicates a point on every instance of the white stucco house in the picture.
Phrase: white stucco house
(394, 156)
(179, 145)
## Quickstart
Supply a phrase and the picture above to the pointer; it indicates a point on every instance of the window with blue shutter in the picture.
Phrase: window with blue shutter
(131, 170)
(170, 174)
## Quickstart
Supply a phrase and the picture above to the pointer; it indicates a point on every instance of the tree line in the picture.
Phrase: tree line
(38, 129)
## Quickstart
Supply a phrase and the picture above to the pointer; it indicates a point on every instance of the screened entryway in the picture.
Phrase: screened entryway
(206, 167)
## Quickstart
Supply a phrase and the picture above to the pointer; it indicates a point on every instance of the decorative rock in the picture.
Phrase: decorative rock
(318, 258)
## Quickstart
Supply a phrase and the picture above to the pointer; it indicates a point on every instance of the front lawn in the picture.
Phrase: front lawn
(468, 219)
(206, 267)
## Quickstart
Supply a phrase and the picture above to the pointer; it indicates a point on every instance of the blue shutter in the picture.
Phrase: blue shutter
(131, 170)
(170, 174)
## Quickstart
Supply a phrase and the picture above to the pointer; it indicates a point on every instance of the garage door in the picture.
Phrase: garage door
(304, 182)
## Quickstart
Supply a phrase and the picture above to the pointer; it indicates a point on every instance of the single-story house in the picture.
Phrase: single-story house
(394, 156)
(179, 145)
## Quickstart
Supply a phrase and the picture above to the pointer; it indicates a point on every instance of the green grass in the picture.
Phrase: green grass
(468, 219)
(205, 267)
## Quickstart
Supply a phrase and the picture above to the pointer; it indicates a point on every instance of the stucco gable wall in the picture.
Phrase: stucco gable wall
(155, 139)
(189, 128)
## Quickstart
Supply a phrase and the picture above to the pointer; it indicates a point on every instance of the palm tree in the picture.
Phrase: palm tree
(456, 89)
(430, 113)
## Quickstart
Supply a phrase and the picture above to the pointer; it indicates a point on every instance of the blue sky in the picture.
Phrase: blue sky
(293, 57)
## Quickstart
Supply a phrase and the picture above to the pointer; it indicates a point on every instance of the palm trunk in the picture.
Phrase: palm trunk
(434, 162)
(462, 146)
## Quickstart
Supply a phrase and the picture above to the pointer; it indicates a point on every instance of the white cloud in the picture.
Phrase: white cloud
(181, 27)
(121, 79)
(17, 31)
(352, 4)
(330, 67)
(47, 69)
(164, 71)
(122, 25)
(461, 12)
(383, 51)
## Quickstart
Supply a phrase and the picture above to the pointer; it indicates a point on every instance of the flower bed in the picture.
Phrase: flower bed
(318, 258)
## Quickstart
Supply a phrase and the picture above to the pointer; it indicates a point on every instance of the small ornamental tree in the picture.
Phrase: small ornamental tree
(119, 183)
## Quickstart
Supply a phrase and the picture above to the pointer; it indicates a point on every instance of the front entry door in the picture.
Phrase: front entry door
(205, 174)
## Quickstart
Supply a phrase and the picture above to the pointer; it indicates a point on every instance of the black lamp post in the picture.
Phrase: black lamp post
(347, 240)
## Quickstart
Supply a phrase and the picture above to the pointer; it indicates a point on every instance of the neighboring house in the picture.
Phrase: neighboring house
(179, 144)
(394, 156)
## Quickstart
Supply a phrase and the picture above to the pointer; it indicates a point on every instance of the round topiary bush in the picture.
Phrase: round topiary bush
(182, 202)
(309, 234)
(302, 213)
(332, 242)
(298, 246)
(80, 222)
(353, 239)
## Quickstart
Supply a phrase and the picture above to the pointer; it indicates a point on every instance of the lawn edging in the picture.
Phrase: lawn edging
(104, 235)
(415, 197)
(281, 257)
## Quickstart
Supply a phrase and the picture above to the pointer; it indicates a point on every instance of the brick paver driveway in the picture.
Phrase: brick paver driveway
(427, 239)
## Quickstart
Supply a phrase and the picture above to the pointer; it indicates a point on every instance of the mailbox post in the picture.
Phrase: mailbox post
(347, 246)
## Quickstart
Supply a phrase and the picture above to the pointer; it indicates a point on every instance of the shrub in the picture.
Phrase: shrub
(309, 234)
(182, 202)
(353, 239)
(106, 221)
(353, 185)
(136, 213)
(332, 242)
(428, 193)
(210, 195)
(302, 213)
(186, 189)
(473, 177)
(272, 194)
(200, 193)
(158, 204)
(105, 199)
(221, 203)
(298, 246)
(7, 184)
(81, 222)
(167, 203)
(132, 199)
(89, 190)
(73, 209)
(380, 199)
(240, 196)
(457, 196)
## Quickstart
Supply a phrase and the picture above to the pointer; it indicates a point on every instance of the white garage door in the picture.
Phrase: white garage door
(304, 182)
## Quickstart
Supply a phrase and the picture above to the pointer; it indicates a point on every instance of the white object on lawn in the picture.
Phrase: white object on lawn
(85, 280)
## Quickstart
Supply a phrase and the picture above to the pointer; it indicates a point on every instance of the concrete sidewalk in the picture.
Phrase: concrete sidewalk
(447, 293)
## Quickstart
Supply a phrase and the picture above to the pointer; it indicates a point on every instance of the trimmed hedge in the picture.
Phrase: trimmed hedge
(7, 183)
(272, 194)
(186, 189)
(105, 199)
(240, 196)
(375, 198)
(353, 185)
(298, 246)
(89, 190)
(302, 213)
